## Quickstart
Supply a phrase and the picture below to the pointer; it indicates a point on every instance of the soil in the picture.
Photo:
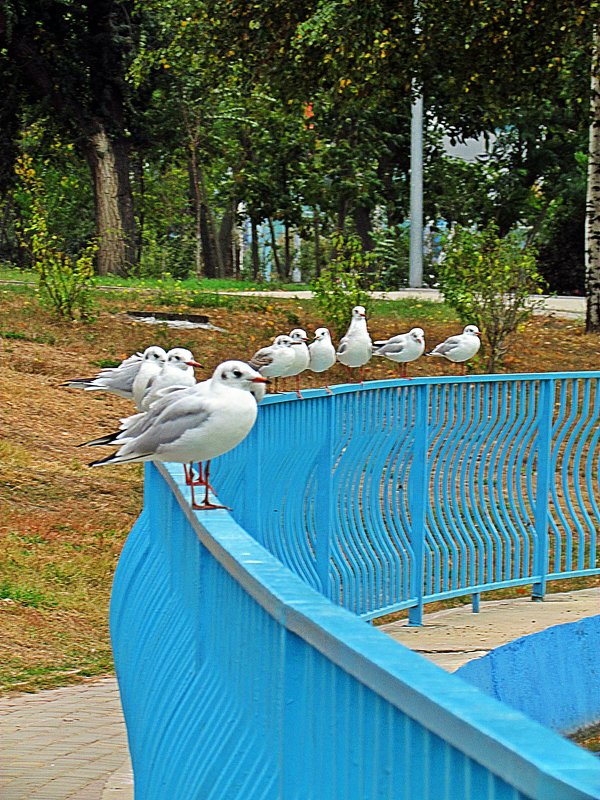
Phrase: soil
(62, 525)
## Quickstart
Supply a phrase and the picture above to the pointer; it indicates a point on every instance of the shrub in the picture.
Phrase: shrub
(490, 281)
(343, 283)
(64, 280)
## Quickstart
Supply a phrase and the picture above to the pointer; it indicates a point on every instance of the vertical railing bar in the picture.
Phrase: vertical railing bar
(542, 492)
(324, 515)
(419, 495)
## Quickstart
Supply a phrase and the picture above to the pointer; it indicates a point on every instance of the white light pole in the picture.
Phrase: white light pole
(415, 275)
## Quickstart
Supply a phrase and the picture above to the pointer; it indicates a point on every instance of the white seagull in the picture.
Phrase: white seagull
(301, 356)
(154, 358)
(402, 348)
(194, 425)
(461, 347)
(118, 380)
(355, 348)
(277, 360)
(321, 351)
(177, 370)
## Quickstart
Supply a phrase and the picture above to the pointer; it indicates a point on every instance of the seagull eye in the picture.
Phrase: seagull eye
(237, 373)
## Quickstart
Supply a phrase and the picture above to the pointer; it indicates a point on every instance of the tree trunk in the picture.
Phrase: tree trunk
(115, 224)
(317, 242)
(275, 249)
(210, 268)
(362, 220)
(254, 248)
(224, 242)
(197, 209)
(287, 256)
(592, 218)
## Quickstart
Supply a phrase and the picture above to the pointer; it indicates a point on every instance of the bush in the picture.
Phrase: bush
(489, 281)
(64, 280)
(343, 283)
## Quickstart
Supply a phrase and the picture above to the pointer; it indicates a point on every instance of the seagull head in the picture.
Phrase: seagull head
(358, 312)
(418, 334)
(155, 354)
(237, 375)
(182, 358)
(322, 333)
(472, 330)
(284, 341)
(299, 335)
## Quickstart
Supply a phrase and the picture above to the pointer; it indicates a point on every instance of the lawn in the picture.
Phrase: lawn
(63, 525)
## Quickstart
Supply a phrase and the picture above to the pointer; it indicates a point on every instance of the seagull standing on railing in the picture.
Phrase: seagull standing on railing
(154, 358)
(194, 424)
(460, 348)
(301, 356)
(356, 348)
(119, 380)
(177, 370)
(277, 360)
(402, 349)
(322, 352)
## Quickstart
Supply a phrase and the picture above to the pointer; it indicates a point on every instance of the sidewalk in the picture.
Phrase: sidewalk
(70, 743)
(65, 744)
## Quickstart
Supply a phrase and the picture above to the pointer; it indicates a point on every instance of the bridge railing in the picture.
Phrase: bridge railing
(394, 494)
(241, 682)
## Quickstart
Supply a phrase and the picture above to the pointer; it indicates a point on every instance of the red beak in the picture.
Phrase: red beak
(260, 379)
(193, 364)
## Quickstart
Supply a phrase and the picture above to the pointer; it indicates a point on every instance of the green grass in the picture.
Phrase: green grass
(26, 596)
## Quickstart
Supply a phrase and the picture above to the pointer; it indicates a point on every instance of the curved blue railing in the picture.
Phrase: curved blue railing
(241, 682)
(394, 494)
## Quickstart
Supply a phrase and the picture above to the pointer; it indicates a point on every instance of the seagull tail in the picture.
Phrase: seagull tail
(101, 440)
(115, 458)
(80, 383)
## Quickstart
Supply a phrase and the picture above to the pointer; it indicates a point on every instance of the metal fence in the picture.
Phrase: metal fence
(241, 682)
(397, 493)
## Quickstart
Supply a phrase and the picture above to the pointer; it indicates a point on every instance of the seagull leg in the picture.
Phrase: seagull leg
(298, 388)
(206, 505)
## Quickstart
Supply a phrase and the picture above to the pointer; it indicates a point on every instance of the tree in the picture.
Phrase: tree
(70, 59)
(592, 238)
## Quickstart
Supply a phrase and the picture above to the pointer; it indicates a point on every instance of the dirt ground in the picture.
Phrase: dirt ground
(62, 525)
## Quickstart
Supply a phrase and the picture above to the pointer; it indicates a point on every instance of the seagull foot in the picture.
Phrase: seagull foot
(207, 506)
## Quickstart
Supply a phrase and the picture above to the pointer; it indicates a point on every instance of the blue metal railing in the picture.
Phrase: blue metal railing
(394, 494)
(241, 682)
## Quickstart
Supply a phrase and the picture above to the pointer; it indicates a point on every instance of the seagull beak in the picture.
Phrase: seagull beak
(259, 379)
(193, 364)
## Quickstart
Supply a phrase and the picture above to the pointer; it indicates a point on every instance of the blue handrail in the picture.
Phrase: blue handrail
(241, 682)
(394, 494)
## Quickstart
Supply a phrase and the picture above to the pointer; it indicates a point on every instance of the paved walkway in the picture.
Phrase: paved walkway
(70, 743)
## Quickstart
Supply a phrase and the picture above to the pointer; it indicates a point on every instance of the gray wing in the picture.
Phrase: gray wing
(391, 348)
(342, 345)
(262, 358)
(166, 426)
(446, 347)
(118, 380)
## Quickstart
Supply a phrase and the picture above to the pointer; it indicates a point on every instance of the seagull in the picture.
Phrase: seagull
(461, 347)
(177, 370)
(321, 351)
(118, 380)
(301, 356)
(154, 358)
(355, 348)
(402, 348)
(195, 425)
(276, 360)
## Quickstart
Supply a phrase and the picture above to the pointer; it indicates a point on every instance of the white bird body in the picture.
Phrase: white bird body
(153, 359)
(196, 423)
(116, 380)
(300, 352)
(177, 370)
(403, 348)
(356, 348)
(461, 347)
(276, 360)
(321, 351)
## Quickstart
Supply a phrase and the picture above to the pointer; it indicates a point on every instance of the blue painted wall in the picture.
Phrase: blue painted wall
(552, 676)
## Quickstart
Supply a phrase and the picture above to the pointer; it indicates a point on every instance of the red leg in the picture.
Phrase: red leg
(298, 388)
(206, 505)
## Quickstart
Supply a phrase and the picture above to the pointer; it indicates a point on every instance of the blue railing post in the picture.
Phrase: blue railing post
(324, 498)
(545, 413)
(418, 487)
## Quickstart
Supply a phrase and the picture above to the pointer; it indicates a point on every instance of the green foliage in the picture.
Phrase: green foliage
(343, 283)
(64, 281)
(391, 252)
(489, 281)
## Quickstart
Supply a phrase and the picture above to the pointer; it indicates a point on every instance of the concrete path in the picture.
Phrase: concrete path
(452, 637)
(70, 743)
(65, 744)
